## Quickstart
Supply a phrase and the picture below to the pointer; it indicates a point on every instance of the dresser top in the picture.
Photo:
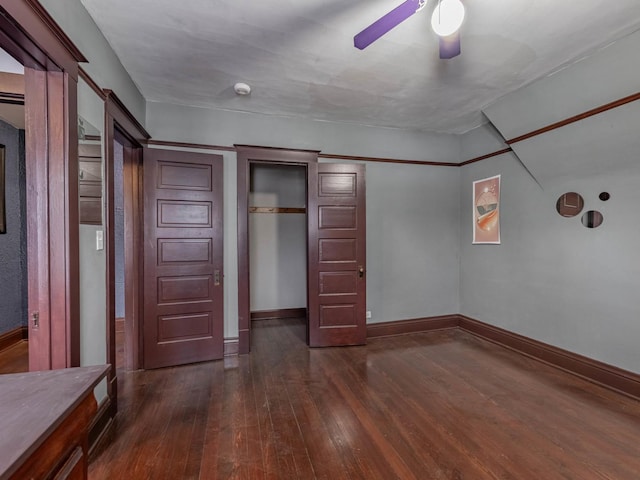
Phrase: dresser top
(33, 404)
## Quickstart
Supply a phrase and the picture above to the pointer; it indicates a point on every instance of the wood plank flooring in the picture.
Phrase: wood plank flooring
(15, 359)
(439, 405)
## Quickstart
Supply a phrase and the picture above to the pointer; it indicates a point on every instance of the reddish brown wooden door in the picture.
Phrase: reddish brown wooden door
(183, 309)
(337, 256)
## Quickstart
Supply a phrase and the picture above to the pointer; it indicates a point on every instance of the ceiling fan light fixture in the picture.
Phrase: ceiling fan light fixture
(447, 17)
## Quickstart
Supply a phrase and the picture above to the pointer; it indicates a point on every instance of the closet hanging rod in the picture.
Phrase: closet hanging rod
(277, 210)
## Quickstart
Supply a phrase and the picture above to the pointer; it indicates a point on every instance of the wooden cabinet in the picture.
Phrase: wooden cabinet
(90, 183)
(44, 423)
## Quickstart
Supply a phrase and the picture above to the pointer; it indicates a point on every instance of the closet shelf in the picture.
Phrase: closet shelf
(277, 210)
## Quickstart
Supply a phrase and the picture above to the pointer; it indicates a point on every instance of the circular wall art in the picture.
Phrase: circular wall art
(570, 204)
(592, 219)
(604, 196)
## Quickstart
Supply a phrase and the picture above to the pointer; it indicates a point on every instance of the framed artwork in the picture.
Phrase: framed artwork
(3, 213)
(486, 210)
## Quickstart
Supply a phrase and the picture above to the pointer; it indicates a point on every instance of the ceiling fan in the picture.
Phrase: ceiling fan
(445, 21)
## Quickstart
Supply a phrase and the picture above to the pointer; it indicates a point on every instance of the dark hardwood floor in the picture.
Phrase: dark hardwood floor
(15, 359)
(439, 405)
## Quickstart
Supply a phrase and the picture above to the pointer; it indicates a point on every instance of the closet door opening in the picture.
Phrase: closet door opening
(278, 245)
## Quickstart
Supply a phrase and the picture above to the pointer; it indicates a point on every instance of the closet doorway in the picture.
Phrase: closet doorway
(335, 241)
(278, 242)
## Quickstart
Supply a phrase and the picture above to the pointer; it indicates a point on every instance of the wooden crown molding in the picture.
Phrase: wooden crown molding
(484, 157)
(387, 160)
(267, 150)
(554, 126)
(576, 118)
(56, 30)
(330, 156)
(199, 146)
(124, 117)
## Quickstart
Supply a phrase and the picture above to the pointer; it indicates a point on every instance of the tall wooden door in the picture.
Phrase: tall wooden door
(183, 305)
(337, 256)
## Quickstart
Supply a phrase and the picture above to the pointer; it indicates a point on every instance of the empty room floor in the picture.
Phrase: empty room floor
(437, 405)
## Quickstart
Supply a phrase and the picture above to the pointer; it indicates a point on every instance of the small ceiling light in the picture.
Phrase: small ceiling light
(242, 88)
(447, 17)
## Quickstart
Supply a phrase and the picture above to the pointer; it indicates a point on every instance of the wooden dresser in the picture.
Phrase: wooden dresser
(44, 422)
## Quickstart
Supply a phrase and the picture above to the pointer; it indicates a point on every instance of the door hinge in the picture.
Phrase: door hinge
(35, 319)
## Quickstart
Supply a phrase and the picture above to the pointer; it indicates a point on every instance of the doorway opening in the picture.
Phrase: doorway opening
(124, 237)
(124, 137)
(247, 157)
(119, 252)
(278, 243)
(14, 355)
(336, 246)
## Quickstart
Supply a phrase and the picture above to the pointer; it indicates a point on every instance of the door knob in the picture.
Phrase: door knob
(361, 271)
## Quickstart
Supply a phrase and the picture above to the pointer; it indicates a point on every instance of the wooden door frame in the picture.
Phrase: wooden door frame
(246, 156)
(31, 36)
(121, 125)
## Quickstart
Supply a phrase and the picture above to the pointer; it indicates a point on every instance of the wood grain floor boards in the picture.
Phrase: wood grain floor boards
(15, 359)
(436, 405)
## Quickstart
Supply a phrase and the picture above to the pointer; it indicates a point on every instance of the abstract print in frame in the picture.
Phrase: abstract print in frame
(486, 210)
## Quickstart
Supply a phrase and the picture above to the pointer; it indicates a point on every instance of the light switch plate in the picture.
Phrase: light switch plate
(99, 240)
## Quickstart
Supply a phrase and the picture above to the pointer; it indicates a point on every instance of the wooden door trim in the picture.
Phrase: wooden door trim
(133, 227)
(31, 36)
(121, 125)
(246, 156)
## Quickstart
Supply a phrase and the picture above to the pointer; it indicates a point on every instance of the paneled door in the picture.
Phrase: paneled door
(183, 305)
(337, 256)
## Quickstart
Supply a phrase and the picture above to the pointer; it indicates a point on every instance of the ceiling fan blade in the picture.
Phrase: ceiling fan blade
(449, 46)
(381, 26)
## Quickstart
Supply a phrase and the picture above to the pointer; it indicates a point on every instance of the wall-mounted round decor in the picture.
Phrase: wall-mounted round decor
(592, 219)
(604, 196)
(570, 204)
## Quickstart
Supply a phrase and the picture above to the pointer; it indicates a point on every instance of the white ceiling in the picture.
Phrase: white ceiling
(299, 58)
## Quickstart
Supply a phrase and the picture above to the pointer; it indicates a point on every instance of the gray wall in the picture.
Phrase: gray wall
(13, 251)
(412, 211)
(219, 127)
(104, 66)
(551, 278)
(93, 317)
(412, 241)
(278, 241)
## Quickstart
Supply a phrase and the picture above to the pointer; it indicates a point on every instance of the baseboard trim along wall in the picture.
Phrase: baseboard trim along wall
(413, 325)
(12, 337)
(613, 378)
(280, 313)
(231, 346)
(100, 426)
